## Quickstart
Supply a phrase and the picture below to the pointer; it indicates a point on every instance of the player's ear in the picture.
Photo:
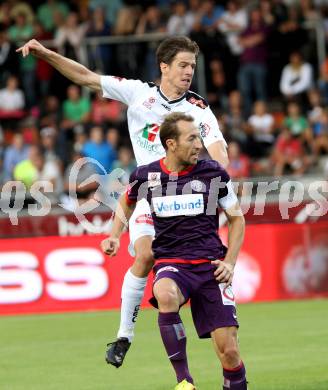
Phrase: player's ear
(170, 143)
(164, 67)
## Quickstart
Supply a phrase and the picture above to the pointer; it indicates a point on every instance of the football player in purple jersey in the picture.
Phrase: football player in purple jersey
(191, 263)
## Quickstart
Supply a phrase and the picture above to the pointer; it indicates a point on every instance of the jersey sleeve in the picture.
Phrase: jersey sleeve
(120, 89)
(227, 196)
(209, 129)
(136, 189)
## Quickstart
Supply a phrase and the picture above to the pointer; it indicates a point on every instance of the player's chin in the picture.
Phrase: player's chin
(194, 159)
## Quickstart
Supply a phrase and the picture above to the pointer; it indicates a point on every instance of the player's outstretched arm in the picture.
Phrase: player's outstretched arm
(236, 221)
(74, 71)
(111, 245)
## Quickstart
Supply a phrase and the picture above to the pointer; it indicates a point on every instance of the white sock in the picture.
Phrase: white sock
(133, 289)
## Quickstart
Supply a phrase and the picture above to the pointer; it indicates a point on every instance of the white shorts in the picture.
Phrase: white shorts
(140, 224)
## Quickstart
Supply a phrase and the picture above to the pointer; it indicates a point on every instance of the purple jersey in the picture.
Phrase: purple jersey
(184, 208)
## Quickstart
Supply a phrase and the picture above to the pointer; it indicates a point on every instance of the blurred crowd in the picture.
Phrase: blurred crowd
(263, 82)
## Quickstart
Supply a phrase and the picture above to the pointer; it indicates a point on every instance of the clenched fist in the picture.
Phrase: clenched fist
(110, 246)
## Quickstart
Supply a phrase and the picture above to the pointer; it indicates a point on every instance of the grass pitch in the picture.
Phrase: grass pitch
(284, 346)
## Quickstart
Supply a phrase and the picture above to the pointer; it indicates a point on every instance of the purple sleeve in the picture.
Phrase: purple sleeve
(137, 187)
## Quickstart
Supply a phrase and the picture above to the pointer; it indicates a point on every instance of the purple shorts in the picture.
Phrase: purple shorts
(212, 304)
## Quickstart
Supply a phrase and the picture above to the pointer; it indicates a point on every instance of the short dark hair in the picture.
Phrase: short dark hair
(170, 47)
(169, 128)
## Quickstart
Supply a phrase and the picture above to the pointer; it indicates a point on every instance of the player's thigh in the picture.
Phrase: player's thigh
(168, 293)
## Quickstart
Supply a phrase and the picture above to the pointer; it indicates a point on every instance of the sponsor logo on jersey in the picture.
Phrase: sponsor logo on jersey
(118, 78)
(204, 129)
(149, 102)
(196, 185)
(145, 218)
(168, 108)
(175, 205)
(198, 102)
(149, 146)
(150, 131)
(154, 179)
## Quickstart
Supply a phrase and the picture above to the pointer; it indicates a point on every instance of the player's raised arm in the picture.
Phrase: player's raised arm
(74, 71)
(124, 210)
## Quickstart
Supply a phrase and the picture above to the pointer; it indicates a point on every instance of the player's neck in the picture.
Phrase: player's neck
(173, 165)
(169, 91)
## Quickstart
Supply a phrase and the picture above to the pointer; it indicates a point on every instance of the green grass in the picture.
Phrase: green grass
(284, 346)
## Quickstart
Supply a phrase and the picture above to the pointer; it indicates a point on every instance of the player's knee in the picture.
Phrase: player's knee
(145, 257)
(230, 356)
(167, 298)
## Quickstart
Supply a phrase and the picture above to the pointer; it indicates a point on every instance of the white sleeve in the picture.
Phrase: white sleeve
(209, 128)
(230, 199)
(285, 81)
(120, 89)
(305, 80)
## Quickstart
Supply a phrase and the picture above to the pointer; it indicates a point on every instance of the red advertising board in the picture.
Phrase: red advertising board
(58, 274)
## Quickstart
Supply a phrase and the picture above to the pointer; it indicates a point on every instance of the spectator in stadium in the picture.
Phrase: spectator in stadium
(126, 162)
(296, 78)
(44, 71)
(18, 33)
(14, 154)
(315, 108)
(239, 164)
(8, 57)
(320, 135)
(218, 89)
(11, 98)
(210, 15)
(182, 236)
(297, 123)
(113, 138)
(253, 61)
(48, 143)
(323, 80)
(50, 113)
(76, 109)
(48, 11)
(97, 148)
(68, 38)
(289, 154)
(234, 121)
(36, 168)
(181, 20)
(100, 56)
(104, 111)
(260, 131)
(80, 138)
(111, 8)
(232, 22)
(151, 21)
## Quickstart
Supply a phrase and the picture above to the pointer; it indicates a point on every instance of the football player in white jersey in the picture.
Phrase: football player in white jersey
(148, 104)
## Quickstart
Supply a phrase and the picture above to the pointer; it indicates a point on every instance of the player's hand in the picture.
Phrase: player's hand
(224, 271)
(32, 47)
(110, 246)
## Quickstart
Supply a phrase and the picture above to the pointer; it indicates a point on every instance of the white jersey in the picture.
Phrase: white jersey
(147, 108)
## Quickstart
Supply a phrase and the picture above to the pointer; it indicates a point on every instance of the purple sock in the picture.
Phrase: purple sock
(235, 379)
(175, 341)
